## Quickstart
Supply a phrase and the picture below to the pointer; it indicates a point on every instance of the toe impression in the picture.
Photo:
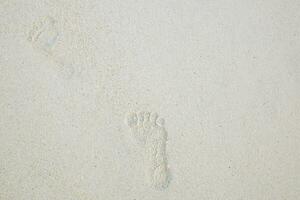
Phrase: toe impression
(131, 120)
(153, 118)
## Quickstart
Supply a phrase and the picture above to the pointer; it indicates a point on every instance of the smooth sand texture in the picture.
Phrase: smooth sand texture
(225, 76)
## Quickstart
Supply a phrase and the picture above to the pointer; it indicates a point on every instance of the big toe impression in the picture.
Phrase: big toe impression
(131, 120)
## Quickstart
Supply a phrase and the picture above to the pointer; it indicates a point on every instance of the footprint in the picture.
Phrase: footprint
(44, 37)
(149, 131)
(44, 34)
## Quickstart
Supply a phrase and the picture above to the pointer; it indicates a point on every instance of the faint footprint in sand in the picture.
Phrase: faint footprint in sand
(149, 131)
(44, 36)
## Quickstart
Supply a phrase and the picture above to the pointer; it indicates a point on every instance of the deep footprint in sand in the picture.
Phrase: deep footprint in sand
(149, 131)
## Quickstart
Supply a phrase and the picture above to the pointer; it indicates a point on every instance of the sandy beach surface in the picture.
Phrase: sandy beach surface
(149, 100)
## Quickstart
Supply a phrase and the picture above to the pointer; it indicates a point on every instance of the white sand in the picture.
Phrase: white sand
(225, 76)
